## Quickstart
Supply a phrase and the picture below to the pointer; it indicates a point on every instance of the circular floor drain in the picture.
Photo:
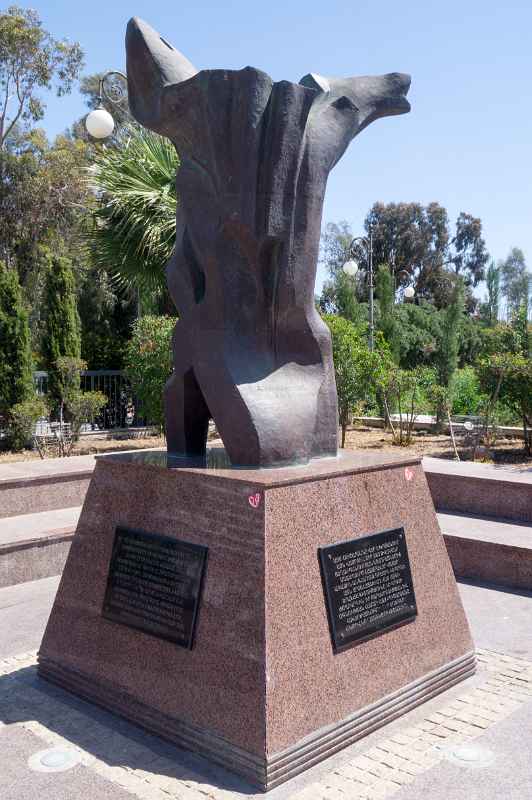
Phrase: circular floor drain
(471, 755)
(55, 759)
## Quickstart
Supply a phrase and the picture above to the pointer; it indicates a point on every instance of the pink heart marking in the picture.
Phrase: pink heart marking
(254, 500)
(409, 473)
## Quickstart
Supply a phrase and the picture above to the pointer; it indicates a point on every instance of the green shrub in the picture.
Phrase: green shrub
(402, 392)
(149, 363)
(82, 407)
(426, 380)
(22, 419)
(357, 369)
(466, 394)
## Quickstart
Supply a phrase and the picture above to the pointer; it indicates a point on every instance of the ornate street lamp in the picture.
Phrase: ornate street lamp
(409, 292)
(99, 122)
(351, 268)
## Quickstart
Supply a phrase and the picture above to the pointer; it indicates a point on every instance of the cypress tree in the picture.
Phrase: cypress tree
(62, 325)
(447, 356)
(16, 378)
(493, 281)
(449, 347)
(386, 299)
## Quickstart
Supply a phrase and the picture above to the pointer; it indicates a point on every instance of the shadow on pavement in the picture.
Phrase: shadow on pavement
(495, 586)
(25, 697)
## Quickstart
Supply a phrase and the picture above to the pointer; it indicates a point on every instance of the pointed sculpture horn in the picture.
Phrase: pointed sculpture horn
(152, 64)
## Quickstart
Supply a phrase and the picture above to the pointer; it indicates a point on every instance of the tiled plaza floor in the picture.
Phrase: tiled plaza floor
(473, 741)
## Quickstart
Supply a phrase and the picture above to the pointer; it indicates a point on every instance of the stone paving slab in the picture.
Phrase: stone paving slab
(406, 760)
(499, 619)
(45, 468)
(376, 767)
(474, 469)
(24, 612)
(18, 782)
(34, 526)
(486, 529)
(507, 775)
(52, 467)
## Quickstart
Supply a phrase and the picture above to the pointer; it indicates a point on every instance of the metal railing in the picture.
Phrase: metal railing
(121, 410)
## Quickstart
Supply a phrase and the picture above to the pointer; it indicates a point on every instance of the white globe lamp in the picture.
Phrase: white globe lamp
(409, 293)
(100, 123)
(350, 268)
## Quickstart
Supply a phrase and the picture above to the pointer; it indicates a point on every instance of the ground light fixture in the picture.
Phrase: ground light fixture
(99, 122)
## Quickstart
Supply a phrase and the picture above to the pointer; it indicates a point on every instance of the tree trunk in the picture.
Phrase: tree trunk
(451, 430)
(438, 421)
(527, 435)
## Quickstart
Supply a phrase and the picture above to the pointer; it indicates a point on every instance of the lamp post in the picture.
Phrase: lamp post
(99, 122)
(351, 268)
(409, 291)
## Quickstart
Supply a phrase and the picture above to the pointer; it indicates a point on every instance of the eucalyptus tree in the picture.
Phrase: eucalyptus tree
(420, 240)
(31, 60)
(515, 280)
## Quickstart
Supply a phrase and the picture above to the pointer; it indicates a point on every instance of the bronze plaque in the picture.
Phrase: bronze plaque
(368, 586)
(154, 584)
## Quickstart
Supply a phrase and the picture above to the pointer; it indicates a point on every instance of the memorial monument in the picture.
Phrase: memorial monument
(268, 603)
(250, 350)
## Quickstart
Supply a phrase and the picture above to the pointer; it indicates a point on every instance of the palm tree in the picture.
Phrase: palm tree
(133, 230)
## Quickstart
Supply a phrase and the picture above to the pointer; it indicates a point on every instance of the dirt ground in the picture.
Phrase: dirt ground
(506, 451)
(91, 445)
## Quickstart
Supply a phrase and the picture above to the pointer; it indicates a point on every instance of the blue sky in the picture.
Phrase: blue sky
(467, 141)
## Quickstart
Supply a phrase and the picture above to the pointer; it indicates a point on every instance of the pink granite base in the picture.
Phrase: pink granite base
(493, 562)
(47, 493)
(507, 496)
(33, 559)
(262, 691)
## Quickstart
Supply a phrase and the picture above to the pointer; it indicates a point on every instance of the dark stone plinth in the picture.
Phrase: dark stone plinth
(262, 691)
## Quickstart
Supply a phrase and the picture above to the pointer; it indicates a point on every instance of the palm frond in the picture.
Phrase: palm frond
(133, 228)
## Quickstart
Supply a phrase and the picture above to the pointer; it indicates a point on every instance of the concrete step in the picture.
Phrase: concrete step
(56, 483)
(480, 490)
(489, 549)
(34, 546)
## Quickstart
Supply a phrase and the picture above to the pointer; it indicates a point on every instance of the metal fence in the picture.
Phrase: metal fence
(121, 410)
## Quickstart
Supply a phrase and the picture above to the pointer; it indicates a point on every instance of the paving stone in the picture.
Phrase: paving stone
(367, 764)
(392, 762)
(355, 773)
(382, 789)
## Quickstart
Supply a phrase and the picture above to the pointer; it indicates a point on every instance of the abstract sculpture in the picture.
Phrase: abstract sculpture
(250, 350)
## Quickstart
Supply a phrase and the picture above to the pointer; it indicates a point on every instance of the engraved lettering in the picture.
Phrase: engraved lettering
(368, 585)
(154, 584)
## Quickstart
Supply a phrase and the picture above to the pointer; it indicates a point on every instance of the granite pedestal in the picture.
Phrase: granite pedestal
(262, 690)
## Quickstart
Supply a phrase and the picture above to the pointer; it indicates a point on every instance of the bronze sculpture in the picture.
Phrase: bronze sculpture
(250, 349)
